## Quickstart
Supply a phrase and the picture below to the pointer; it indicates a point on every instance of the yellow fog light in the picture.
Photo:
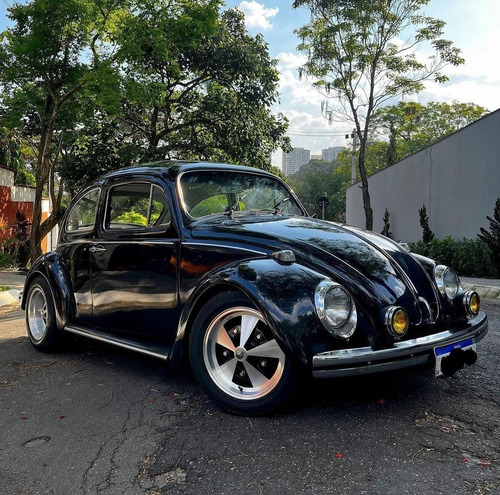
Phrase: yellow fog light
(472, 303)
(396, 321)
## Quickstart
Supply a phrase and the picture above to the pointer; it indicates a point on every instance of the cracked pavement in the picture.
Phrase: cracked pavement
(100, 420)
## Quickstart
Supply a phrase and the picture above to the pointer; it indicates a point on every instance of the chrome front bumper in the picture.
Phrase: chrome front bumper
(364, 360)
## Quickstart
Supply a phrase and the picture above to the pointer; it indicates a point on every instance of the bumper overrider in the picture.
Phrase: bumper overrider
(414, 352)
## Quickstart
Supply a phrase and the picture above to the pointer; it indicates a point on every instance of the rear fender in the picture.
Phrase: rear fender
(51, 269)
(284, 294)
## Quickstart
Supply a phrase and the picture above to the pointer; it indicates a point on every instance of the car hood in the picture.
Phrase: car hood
(375, 269)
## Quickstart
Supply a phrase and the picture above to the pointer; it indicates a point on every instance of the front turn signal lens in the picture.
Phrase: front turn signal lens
(397, 321)
(472, 303)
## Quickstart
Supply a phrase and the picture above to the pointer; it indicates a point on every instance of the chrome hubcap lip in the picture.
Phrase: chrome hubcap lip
(223, 375)
(37, 314)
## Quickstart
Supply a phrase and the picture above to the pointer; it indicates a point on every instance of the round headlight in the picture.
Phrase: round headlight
(447, 281)
(472, 303)
(335, 309)
(397, 321)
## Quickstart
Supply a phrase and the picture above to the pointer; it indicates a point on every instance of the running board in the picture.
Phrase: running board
(157, 351)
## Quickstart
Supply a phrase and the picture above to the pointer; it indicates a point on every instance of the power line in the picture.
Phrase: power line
(315, 133)
(7, 3)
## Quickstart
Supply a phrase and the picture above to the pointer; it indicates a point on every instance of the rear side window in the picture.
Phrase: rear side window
(137, 206)
(83, 214)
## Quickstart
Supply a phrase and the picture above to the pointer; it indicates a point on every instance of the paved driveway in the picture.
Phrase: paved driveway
(96, 419)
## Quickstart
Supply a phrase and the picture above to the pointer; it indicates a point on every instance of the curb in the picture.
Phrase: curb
(9, 297)
(484, 291)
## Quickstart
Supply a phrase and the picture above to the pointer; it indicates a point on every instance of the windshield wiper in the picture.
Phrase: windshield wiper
(277, 208)
(235, 207)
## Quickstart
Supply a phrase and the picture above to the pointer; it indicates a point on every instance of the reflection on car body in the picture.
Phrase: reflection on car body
(223, 265)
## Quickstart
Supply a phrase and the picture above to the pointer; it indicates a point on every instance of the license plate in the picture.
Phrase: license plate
(441, 352)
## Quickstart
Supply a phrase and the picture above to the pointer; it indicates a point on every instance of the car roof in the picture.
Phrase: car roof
(170, 169)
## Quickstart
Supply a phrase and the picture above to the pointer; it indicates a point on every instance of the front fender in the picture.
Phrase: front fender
(49, 266)
(284, 294)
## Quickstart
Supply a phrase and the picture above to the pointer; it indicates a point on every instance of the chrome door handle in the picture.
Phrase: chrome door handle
(97, 249)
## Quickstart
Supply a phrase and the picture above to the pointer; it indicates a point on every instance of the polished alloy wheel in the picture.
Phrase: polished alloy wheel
(241, 354)
(37, 313)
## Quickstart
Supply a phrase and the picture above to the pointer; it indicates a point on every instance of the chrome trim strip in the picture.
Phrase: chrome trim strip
(401, 350)
(119, 342)
(262, 253)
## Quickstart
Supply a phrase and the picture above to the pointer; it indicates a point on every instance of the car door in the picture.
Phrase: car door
(134, 263)
(77, 236)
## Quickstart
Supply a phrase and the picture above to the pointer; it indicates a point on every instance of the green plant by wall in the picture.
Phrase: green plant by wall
(427, 234)
(492, 236)
(469, 257)
(387, 226)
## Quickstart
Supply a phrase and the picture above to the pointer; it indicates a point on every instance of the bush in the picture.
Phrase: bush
(6, 260)
(468, 257)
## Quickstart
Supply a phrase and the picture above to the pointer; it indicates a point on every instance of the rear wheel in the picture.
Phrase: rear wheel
(40, 316)
(236, 357)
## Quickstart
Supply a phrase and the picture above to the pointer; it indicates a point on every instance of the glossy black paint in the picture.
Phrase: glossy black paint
(149, 284)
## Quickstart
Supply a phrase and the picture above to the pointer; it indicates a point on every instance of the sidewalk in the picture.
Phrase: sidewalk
(486, 288)
(14, 280)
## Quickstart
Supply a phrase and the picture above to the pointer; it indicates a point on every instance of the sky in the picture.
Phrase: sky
(473, 26)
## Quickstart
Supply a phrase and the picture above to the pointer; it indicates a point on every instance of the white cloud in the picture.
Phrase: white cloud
(257, 15)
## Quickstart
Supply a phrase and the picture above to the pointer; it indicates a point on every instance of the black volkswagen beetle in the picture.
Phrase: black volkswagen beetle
(223, 265)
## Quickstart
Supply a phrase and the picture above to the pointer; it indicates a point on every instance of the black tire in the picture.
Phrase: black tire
(40, 316)
(253, 377)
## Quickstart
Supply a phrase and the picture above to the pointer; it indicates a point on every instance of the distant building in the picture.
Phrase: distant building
(330, 154)
(316, 157)
(294, 160)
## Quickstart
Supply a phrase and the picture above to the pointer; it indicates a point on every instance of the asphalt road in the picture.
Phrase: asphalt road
(96, 419)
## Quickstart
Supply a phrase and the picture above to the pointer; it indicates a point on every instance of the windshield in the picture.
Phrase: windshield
(217, 191)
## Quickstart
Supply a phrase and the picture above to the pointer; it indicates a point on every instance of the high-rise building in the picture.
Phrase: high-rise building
(330, 154)
(294, 160)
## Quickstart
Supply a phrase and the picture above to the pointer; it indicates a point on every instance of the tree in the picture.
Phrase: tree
(202, 96)
(319, 178)
(358, 60)
(413, 126)
(492, 236)
(54, 50)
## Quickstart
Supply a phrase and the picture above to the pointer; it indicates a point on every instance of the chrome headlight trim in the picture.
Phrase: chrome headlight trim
(467, 298)
(346, 328)
(441, 274)
(389, 321)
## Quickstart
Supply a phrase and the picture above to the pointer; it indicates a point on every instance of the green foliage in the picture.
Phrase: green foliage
(412, 126)
(427, 234)
(6, 260)
(492, 236)
(318, 178)
(355, 58)
(387, 226)
(469, 257)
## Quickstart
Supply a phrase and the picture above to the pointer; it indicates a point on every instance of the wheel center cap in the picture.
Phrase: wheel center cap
(240, 353)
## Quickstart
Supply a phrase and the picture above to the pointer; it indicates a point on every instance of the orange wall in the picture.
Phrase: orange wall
(8, 210)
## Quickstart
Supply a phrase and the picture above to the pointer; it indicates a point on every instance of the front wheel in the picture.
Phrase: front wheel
(236, 357)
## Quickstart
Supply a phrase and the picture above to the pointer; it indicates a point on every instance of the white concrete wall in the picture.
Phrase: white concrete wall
(457, 178)
(22, 193)
(6, 177)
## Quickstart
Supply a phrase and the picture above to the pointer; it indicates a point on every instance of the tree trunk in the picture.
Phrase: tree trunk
(42, 176)
(364, 187)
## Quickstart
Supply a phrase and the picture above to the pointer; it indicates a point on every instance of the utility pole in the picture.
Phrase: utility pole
(354, 137)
